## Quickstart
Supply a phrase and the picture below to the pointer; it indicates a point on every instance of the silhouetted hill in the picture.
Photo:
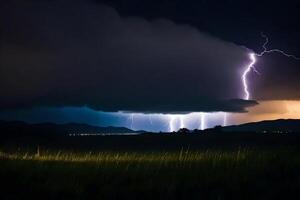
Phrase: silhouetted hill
(17, 128)
(280, 125)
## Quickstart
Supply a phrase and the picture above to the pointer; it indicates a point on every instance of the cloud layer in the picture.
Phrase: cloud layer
(73, 54)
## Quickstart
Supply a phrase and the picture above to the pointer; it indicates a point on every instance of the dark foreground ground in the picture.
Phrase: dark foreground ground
(213, 166)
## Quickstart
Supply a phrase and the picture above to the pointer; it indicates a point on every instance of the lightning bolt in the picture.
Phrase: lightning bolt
(266, 50)
(150, 119)
(202, 121)
(171, 123)
(245, 74)
(131, 117)
(181, 121)
(225, 119)
(172, 120)
(251, 66)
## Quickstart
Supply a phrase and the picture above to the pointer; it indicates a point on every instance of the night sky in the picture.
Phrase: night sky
(138, 63)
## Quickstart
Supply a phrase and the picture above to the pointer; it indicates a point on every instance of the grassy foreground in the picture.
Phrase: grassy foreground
(236, 174)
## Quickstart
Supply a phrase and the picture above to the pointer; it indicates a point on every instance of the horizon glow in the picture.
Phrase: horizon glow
(265, 110)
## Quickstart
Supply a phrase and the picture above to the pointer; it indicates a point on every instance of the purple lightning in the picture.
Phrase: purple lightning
(246, 72)
(251, 66)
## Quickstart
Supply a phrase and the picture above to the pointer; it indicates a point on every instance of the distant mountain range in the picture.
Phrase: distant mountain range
(280, 125)
(22, 128)
(17, 128)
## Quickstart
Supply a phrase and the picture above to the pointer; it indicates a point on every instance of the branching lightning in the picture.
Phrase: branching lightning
(251, 66)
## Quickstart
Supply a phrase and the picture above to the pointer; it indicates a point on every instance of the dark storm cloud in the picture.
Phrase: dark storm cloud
(58, 54)
(240, 22)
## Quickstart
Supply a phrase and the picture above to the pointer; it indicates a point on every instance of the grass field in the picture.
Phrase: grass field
(210, 174)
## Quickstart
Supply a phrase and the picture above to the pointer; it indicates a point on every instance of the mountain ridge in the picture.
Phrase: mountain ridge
(20, 127)
(292, 125)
